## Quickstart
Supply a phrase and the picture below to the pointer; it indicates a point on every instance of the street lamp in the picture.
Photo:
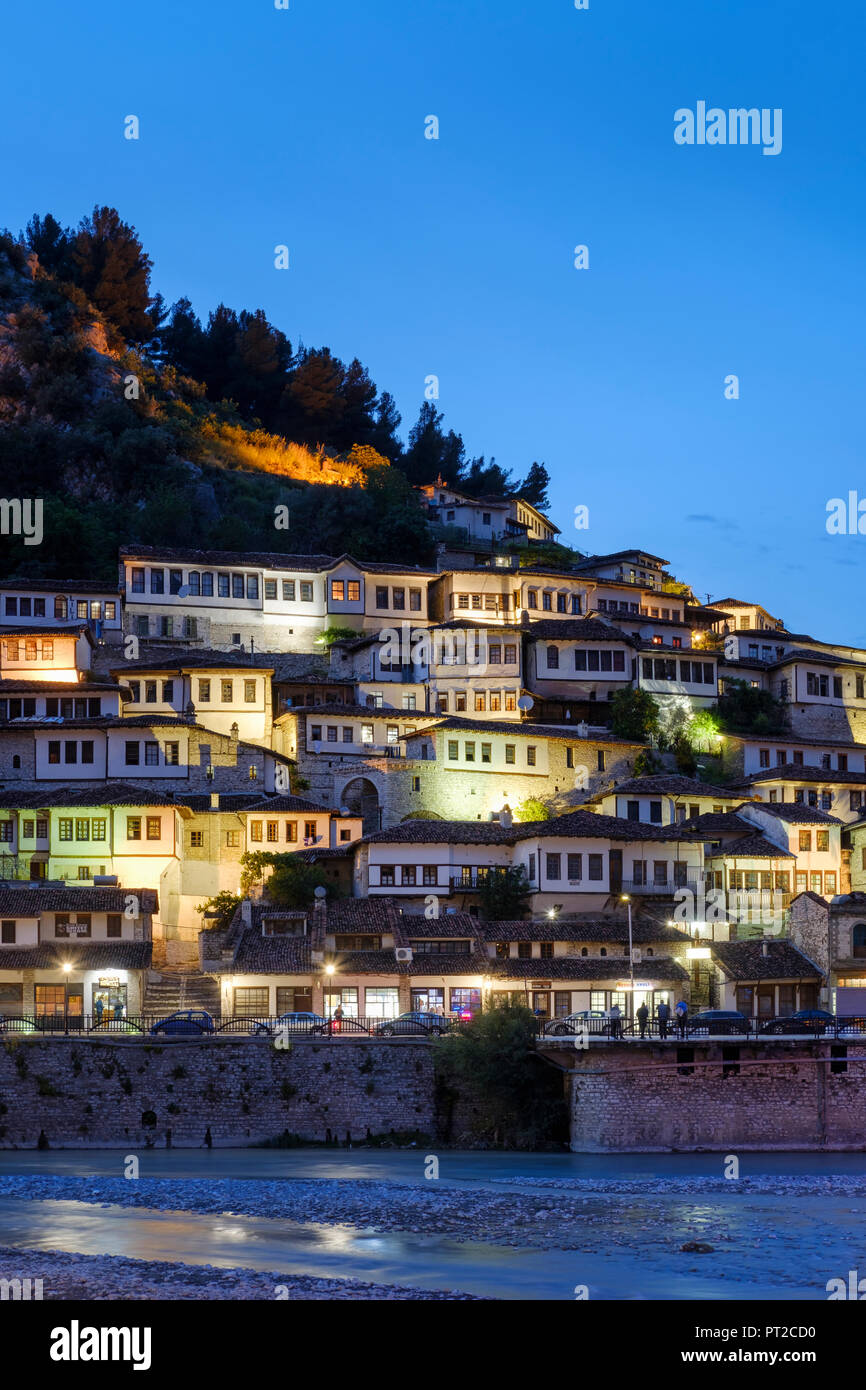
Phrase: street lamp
(624, 897)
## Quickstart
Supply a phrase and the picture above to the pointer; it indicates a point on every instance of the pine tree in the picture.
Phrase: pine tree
(109, 263)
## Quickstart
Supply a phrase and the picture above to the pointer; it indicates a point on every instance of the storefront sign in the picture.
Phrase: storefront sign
(540, 984)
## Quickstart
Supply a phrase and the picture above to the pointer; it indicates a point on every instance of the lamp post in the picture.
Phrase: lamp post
(627, 900)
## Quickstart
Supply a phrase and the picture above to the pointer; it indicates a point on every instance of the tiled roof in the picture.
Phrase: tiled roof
(719, 822)
(238, 558)
(745, 960)
(672, 784)
(565, 732)
(98, 955)
(192, 661)
(657, 968)
(451, 924)
(49, 687)
(49, 630)
(276, 805)
(600, 929)
(755, 846)
(29, 902)
(58, 586)
(357, 915)
(584, 825)
(576, 630)
(800, 772)
(431, 965)
(795, 811)
(271, 955)
(104, 794)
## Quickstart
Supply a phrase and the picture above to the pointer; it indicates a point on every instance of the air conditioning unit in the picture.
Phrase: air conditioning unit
(403, 953)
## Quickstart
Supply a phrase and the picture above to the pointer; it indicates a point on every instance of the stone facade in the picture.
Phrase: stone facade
(98, 1094)
(724, 1098)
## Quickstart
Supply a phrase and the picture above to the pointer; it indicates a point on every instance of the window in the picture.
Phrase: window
(486, 752)
(381, 596)
(553, 866)
(233, 839)
(132, 754)
(204, 691)
(822, 841)
(595, 866)
(157, 582)
(530, 755)
(70, 752)
(338, 590)
(469, 752)
(386, 875)
(575, 868)
(552, 658)
(226, 691)
(453, 750)
(133, 827)
(273, 832)
(154, 827)
(805, 841)
(8, 933)
(82, 829)
(414, 600)
(510, 753)
(151, 755)
(289, 590)
(306, 591)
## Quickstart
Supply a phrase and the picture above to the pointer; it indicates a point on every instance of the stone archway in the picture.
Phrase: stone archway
(361, 796)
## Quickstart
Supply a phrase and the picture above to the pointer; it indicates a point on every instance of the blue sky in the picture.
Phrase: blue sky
(455, 257)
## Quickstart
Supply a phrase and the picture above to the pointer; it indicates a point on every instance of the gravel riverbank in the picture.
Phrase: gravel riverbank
(68, 1277)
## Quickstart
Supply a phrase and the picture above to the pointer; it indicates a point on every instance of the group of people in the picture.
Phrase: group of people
(642, 1013)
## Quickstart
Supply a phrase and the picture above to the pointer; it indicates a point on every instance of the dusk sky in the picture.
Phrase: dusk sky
(454, 256)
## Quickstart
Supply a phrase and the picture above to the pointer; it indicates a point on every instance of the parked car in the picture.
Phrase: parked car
(415, 1022)
(297, 1022)
(803, 1021)
(595, 1021)
(185, 1023)
(716, 1021)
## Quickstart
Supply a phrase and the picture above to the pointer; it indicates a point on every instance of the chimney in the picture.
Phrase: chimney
(214, 801)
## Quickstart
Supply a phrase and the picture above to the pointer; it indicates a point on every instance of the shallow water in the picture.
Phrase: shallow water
(776, 1246)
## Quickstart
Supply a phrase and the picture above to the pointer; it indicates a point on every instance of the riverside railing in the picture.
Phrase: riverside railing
(197, 1024)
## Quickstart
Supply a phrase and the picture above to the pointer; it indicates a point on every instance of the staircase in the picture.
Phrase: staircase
(181, 989)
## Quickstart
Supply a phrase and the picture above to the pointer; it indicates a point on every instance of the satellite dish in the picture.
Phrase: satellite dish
(344, 811)
(525, 702)
(320, 892)
(183, 591)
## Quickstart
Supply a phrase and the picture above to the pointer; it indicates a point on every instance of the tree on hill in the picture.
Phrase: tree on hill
(292, 883)
(109, 263)
(503, 894)
(533, 488)
(431, 453)
(744, 710)
(51, 243)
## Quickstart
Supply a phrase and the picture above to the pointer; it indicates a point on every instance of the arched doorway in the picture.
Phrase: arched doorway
(362, 799)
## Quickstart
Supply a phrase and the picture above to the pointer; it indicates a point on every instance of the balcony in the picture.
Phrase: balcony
(667, 888)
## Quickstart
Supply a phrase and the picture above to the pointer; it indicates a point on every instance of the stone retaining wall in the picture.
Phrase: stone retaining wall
(100, 1093)
(785, 1095)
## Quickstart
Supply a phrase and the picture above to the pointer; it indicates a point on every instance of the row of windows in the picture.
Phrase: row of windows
(458, 656)
(270, 830)
(822, 841)
(77, 708)
(495, 700)
(797, 759)
(227, 585)
(486, 752)
(588, 660)
(92, 828)
(565, 603)
(751, 880)
(490, 603)
(290, 588)
(820, 685)
(574, 866)
(612, 605)
(664, 669)
(81, 924)
(30, 650)
(152, 694)
(172, 627)
(35, 608)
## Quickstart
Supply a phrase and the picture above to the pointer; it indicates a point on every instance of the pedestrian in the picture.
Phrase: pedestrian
(682, 1017)
(338, 1017)
(616, 1022)
(642, 1016)
(118, 1011)
(663, 1014)
(208, 1138)
(97, 1009)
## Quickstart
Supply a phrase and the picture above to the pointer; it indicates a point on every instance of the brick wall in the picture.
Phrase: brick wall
(99, 1093)
(638, 1100)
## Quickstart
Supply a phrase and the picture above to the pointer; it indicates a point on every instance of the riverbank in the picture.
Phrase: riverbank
(68, 1277)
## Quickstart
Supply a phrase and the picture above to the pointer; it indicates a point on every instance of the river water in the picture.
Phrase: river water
(781, 1244)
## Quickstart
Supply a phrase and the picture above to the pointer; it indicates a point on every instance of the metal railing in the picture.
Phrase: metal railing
(844, 1027)
(199, 1024)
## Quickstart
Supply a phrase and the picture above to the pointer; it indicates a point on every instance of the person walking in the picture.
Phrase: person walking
(682, 1017)
(642, 1017)
(338, 1018)
(616, 1022)
(97, 1009)
(663, 1014)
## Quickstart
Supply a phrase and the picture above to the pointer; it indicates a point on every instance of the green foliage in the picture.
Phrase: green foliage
(532, 809)
(646, 764)
(503, 894)
(634, 714)
(744, 710)
(224, 904)
(329, 635)
(516, 1101)
(292, 882)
